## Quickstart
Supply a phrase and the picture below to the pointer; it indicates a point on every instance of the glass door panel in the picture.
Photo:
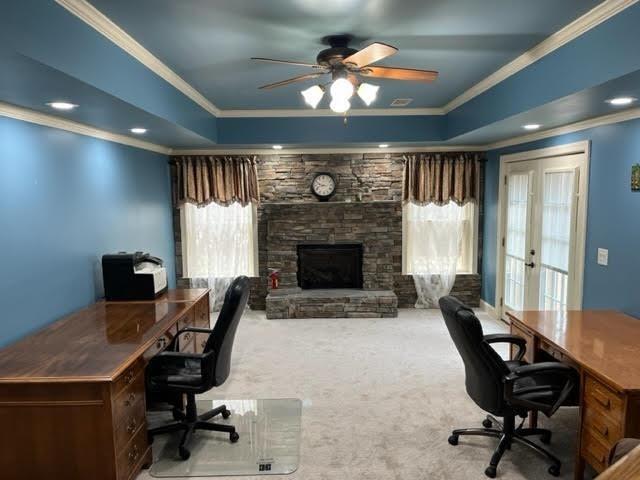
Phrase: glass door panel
(516, 239)
(558, 197)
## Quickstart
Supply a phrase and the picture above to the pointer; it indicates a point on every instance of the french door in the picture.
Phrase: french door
(542, 233)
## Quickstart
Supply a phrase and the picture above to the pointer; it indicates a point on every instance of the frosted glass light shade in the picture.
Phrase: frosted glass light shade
(341, 89)
(368, 93)
(339, 105)
(313, 95)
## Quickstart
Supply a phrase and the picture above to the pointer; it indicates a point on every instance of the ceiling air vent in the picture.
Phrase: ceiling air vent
(401, 102)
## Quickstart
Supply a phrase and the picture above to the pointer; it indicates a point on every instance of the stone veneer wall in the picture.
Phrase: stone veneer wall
(369, 186)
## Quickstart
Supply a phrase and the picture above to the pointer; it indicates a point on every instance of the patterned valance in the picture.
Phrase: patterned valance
(442, 177)
(222, 179)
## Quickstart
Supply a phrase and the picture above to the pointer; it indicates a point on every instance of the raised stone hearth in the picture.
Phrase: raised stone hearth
(331, 303)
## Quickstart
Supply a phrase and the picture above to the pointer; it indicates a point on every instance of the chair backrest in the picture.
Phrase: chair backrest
(220, 342)
(484, 368)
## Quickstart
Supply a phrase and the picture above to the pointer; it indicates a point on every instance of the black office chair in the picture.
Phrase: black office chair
(505, 388)
(172, 372)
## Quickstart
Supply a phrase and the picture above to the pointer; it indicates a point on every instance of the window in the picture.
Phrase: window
(434, 237)
(219, 241)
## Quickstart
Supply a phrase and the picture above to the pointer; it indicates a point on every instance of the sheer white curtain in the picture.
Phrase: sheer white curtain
(218, 244)
(433, 245)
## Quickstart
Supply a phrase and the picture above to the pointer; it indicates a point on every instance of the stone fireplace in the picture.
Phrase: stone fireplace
(366, 210)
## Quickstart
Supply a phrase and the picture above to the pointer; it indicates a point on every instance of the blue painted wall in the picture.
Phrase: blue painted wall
(612, 219)
(66, 199)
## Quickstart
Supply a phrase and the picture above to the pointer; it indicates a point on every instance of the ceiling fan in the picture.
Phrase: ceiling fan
(346, 65)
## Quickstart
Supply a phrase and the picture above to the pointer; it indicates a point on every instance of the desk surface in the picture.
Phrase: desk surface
(607, 343)
(96, 343)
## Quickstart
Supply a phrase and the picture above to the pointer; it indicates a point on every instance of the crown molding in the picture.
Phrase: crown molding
(103, 25)
(573, 30)
(32, 116)
(330, 150)
(630, 114)
(325, 112)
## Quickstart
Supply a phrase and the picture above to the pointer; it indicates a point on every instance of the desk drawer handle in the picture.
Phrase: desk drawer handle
(130, 399)
(604, 431)
(605, 402)
(134, 454)
(162, 343)
(132, 426)
(128, 378)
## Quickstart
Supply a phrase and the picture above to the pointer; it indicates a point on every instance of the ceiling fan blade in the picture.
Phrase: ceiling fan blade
(394, 73)
(287, 62)
(299, 78)
(371, 54)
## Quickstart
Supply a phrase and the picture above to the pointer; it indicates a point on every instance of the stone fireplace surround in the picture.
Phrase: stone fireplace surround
(366, 208)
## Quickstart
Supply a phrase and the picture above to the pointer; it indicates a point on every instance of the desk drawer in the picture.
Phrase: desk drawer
(160, 344)
(601, 398)
(603, 427)
(126, 378)
(593, 450)
(529, 337)
(202, 313)
(188, 320)
(126, 400)
(129, 458)
(130, 417)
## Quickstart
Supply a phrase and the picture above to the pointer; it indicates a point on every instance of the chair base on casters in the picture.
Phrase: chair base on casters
(189, 421)
(508, 434)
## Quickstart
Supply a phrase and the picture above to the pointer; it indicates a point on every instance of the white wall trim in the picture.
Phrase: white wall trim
(328, 150)
(489, 310)
(573, 30)
(26, 115)
(583, 148)
(617, 117)
(102, 24)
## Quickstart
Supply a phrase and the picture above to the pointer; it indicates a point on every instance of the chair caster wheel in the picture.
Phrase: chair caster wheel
(234, 437)
(490, 472)
(184, 453)
(486, 423)
(546, 438)
(453, 440)
(554, 470)
(226, 414)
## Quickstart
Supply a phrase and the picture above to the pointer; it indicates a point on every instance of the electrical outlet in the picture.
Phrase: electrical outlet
(603, 256)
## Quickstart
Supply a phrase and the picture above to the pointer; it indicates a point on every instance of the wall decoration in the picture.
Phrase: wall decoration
(635, 177)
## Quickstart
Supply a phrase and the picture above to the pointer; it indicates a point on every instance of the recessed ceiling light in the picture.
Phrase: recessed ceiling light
(277, 147)
(138, 130)
(383, 145)
(532, 126)
(619, 101)
(62, 105)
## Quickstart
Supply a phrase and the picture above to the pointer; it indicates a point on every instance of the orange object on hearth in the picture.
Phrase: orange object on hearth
(274, 275)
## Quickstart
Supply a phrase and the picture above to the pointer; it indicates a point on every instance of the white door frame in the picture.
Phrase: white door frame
(581, 228)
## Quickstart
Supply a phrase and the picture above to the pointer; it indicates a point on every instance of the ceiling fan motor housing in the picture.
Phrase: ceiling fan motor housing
(338, 50)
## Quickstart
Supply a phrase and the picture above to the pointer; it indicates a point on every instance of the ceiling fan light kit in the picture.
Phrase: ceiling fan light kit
(346, 65)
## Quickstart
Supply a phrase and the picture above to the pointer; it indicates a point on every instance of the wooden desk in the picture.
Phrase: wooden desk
(72, 396)
(604, 346)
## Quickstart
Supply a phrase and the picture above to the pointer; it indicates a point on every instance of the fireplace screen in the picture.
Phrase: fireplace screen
(330, 266)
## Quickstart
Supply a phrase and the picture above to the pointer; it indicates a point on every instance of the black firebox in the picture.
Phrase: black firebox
(330, 266)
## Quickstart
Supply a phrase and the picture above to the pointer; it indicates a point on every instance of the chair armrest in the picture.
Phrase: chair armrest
(540, 368)
(566, 374)
(520, 342)
(175, 342)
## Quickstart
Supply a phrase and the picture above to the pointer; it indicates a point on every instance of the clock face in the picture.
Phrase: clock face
(323, 185)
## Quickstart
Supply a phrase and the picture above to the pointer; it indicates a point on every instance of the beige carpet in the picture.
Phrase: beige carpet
(380, 397)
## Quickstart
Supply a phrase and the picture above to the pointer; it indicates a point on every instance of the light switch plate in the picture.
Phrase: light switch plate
(603, 256)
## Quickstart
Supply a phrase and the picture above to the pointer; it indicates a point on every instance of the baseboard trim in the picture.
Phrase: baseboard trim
(488, 309)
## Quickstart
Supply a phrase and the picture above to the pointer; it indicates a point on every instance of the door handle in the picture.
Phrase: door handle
(530, 265)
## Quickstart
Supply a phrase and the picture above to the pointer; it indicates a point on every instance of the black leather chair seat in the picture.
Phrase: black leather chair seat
(188, 375)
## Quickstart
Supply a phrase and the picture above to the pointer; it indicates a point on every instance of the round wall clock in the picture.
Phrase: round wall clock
(323, 186)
